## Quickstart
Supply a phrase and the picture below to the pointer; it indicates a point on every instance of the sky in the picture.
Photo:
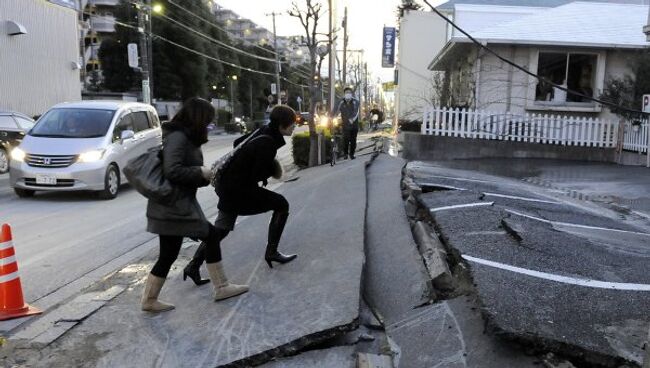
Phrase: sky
(366, 19)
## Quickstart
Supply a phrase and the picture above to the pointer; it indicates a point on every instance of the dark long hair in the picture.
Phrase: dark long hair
(194, 117)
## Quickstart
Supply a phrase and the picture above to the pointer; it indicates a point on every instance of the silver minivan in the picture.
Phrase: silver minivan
(83, 146)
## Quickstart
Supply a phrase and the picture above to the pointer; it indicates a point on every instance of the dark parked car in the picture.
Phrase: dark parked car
(302, 118)
(13, 127)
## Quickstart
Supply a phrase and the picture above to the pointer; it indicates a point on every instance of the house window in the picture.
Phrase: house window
(575, 71)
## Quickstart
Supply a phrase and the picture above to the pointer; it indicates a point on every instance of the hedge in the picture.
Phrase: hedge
(300, 150)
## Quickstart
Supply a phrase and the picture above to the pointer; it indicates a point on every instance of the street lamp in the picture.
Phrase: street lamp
(157, 8)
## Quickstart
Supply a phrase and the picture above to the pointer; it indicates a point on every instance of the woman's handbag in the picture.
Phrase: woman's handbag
(145, 174)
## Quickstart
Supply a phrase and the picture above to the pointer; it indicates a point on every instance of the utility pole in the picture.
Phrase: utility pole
(345, 46)
(277, 59)
(250, 88)
(150, 48)
(365, 83)
(83, 30)
(144, 58)
(332, 57)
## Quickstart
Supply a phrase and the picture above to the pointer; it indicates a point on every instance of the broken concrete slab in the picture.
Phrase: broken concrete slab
(390, 246)
(55, 323)
(290, 307)
(450, 334)
(435, 258)
(366, 360)
(337, 357)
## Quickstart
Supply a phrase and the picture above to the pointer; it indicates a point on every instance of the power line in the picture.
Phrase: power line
(228, 46)
(215, 25)
(158, 37)
(526, 71)
(211, 39)
(233, 36)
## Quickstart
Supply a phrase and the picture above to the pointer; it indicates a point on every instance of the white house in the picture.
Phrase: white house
(423, 34)
(578, 45)
(39, 66)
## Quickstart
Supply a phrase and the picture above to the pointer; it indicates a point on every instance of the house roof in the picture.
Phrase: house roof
(577, 24)
(449, 5)
(582, 24)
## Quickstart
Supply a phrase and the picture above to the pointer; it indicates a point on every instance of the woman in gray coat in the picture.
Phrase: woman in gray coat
(183, 217)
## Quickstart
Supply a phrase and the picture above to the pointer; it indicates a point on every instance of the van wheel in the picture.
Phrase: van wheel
(111, 183)
(24, 193)
(4, 161)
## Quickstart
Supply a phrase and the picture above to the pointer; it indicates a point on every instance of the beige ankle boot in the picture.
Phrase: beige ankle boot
(152, 289)
(222, 288)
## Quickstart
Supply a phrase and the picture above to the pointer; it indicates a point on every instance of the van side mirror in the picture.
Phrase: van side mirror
(127, 134)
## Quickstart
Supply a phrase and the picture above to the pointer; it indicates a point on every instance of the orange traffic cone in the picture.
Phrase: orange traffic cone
(12, 304)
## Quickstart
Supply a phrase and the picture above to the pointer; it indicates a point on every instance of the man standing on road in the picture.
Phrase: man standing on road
(349, 110)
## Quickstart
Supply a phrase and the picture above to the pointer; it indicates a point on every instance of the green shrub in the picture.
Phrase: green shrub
(300, 149)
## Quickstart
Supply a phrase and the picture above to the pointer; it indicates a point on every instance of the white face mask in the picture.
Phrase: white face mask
(348, 96)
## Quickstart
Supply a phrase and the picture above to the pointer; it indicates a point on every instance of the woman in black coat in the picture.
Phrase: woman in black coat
(240, 193)
(183, 217)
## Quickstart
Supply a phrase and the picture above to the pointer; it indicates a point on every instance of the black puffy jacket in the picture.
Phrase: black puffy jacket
(252, 164)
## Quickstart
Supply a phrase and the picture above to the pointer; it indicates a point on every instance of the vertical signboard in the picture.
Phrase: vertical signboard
(646, 103)
(388, 48)
(132, 52)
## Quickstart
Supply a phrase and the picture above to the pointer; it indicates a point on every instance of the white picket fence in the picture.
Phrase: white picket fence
(533, 128)
(636, 141)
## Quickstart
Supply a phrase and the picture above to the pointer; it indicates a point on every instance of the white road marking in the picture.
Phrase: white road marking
(568, 224)
(460, 179)
(519, 198)
(468, 205)
(562, 279)
(441, 186)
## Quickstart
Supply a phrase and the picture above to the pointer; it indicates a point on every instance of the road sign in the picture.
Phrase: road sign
(274, 89)
(298, 99)
(133, 55)
(646, 103)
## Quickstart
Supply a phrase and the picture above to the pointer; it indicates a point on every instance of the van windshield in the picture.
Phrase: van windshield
(73, 123)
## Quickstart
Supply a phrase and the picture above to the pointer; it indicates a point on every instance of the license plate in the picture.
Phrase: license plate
(46, 179)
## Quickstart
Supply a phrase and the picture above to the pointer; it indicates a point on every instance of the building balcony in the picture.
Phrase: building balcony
(103, 23)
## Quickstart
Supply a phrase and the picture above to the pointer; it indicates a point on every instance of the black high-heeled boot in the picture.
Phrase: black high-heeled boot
(276, 227)
(192, 268)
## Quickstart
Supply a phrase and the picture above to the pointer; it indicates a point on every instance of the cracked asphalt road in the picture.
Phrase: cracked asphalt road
(575, 278)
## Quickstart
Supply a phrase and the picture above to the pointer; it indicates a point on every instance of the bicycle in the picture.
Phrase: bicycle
(336, 137)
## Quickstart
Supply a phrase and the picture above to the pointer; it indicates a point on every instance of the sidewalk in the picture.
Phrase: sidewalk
(289, 307)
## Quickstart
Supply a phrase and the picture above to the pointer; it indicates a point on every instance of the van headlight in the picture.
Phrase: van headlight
(91, 156)
(18, 154)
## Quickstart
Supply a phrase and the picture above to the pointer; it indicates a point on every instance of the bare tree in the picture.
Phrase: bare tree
(309, 17)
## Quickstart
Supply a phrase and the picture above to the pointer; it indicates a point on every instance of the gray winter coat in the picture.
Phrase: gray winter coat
(182, 161)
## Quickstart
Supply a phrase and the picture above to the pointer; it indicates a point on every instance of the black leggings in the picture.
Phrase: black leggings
(170, 246)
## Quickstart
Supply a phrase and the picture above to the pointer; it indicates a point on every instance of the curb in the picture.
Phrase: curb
(434, 256)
